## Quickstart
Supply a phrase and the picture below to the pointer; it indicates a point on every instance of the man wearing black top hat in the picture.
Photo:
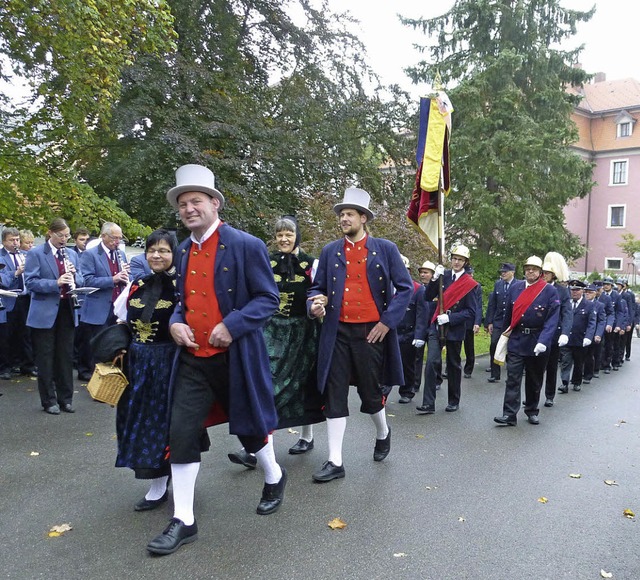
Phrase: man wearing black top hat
(496, 307)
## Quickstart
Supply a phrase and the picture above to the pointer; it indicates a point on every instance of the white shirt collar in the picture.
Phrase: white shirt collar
(207, 234)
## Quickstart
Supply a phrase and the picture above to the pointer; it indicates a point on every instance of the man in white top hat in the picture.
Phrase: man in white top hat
(362, 289)
(227, 294)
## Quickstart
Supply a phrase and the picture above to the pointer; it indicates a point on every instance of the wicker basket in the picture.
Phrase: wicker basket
(108, 382)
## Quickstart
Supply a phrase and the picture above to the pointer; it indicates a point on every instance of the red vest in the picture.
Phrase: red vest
(357, 302)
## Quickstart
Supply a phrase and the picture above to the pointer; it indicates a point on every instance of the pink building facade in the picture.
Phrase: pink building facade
(609, 137)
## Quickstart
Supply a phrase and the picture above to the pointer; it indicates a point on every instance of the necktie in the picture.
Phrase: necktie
(575, 304)
(15, 260)
(113, 256)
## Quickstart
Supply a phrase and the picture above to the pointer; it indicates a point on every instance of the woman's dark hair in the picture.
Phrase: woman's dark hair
(158, 236)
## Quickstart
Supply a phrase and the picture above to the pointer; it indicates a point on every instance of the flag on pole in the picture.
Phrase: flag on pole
(432, 158)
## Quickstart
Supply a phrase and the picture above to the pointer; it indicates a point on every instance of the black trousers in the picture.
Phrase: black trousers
(534, 367)
(572, 357)
(628, 337)
(408, 354)
(354, 361)
(86, 332)
(469, 351)
(20, 344)
(419, 365)
(454, 370)
(432, 370)
(553, 358)
(200, 381)
(495, 337)
(618, 349)
(54, 357)
(592, 360)
(607, 350)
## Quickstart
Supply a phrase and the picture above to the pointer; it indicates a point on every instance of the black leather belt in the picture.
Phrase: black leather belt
(526, 330)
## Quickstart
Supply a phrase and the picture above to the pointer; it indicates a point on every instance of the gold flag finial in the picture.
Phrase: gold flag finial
(437, 82)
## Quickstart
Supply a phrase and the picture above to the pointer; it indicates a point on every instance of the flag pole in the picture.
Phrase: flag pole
(443, 327)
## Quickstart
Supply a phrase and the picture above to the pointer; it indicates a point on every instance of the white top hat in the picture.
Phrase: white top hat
(355, 198)
(194, 178)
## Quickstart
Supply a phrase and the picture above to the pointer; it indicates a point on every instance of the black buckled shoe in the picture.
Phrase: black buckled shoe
(328, 472)
(173, 536)
(424, 410)
(145, 505)
(506, 420)
(272, 496)
(242, 457)
(383, 446)
(302, 446)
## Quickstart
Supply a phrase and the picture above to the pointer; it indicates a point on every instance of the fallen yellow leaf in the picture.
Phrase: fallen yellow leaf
(54, 534)
(57, 531)
(575, 475)
(418, 436)
(543, 500)
(390, 415)
(629, 514)
(293, 431)
(34, 454)
(337, 524)
(89, 434)
(400, 555)
(611, 482)
(606, 574)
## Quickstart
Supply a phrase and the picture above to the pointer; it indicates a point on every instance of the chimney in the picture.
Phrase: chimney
(600, 77)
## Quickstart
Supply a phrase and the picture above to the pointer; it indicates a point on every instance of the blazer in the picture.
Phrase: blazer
(94, 264)
(8, 277)
(391, 287)
(497, 305)
(247, 297)
(41, 279)
(139, 267)
(600, 318)
(609, 312)
(539, 322)
(584, 323)
(407, 327)
(565, 320)
(461, 314)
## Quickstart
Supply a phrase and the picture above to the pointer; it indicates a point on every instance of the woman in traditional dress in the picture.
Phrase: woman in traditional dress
(292, 342)
(142, 420)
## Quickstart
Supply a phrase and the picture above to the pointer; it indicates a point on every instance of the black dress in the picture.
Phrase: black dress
(292, 343)
(142, 419)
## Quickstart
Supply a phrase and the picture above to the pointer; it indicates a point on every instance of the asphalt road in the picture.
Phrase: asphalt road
(457, 498)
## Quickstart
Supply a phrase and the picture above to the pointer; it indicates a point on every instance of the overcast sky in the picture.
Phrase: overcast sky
(611, 38)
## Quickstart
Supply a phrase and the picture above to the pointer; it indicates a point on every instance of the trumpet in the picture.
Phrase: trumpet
(67, 268)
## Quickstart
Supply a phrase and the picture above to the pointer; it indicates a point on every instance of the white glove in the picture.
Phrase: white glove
(586, 342)
(442, 319)
(563, 340)
(418, 343)
(539, 349)
(439, 271)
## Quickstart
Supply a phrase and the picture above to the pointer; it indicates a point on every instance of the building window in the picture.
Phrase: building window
(618, 172)
(616, 216)
(613, 263)
(624, 129)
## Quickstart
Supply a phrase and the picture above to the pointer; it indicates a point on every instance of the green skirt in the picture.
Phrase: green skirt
(292, 344)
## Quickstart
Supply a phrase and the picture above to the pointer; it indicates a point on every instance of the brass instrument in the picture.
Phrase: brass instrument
(67, 268)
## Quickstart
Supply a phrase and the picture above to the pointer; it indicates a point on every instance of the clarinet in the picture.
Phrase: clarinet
(67, 268)
(119, 263)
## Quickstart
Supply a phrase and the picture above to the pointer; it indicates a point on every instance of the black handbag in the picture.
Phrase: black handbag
(110, 342)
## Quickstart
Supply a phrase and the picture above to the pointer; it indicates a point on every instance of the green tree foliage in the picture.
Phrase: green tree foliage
(274, 105)
(60, 68)
(512, 169)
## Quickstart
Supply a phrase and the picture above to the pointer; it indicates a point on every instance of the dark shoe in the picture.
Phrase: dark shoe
(577, 387)
(328, 472)
(68, 408)
(627, 358)
(84, 378)
(548, 403)
(615, 368)
(52, 410)
(302, 446)
(5, 376)
(586, 382)
(173, 536)
(29, 372)
(445, 376)
(606, 372)
(451, 408)
(272, 496)
(145, 505)
(596, 375)
(467, 375)
(487, 370)
(533, 419)
(404, 400)
(492, 380)
(564, 390)
(243, 458)
(506, 420)
(383, 446)
(424, 410)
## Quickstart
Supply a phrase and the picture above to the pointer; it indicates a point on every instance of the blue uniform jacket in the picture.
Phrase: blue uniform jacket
(8, 277)
(461, 313)
(94, 264)
(539, 322)
(407, 327)
(601, 318)
(497, 306)
(610, 315)
(630, 299)
(41, 279)
(424, 314)
(565, 320)
(584, 323)
(247, 297)
(391, 288)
